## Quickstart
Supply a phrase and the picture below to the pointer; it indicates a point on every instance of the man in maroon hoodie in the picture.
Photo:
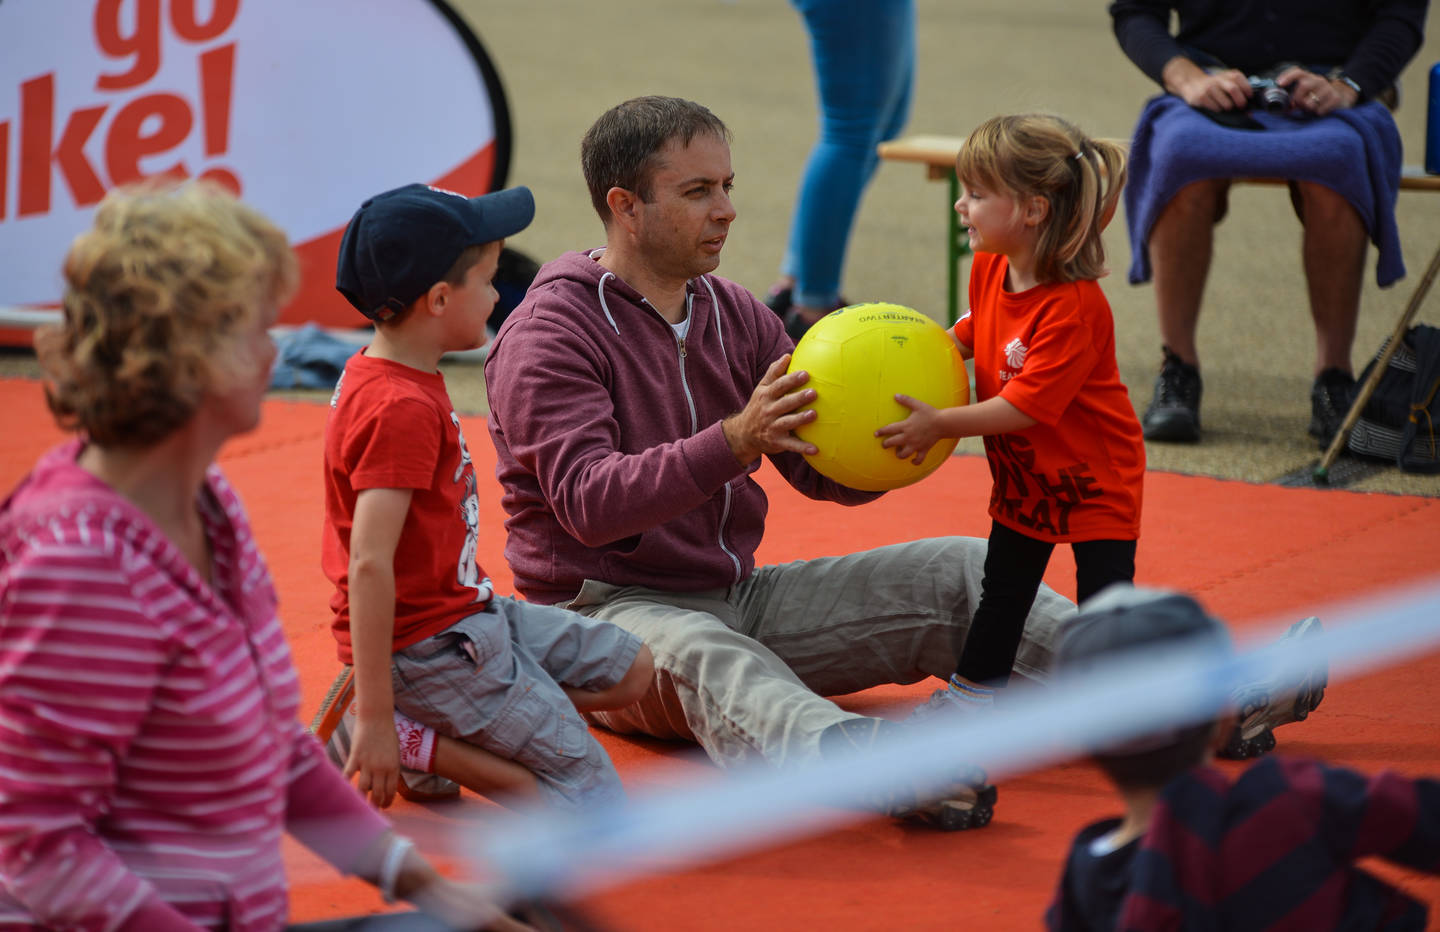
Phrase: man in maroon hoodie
(632, 394)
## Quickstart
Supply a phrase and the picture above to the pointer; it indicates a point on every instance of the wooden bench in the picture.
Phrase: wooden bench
(937, 154)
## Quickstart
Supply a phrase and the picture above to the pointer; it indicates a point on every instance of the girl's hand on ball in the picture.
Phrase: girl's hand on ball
(913, 437)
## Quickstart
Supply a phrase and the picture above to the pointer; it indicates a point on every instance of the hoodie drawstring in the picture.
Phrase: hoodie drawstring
(715, 310)
(600, 292)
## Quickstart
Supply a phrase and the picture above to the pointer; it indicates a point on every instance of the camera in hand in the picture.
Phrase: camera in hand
(1268, 95)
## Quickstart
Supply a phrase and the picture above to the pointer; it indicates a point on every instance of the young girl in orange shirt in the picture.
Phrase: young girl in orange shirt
(1065, 449)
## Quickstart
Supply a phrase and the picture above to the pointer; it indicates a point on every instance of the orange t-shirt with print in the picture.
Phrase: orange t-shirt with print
(1078, 473)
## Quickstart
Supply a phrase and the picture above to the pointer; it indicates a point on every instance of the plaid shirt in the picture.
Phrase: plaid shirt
(1275, 849)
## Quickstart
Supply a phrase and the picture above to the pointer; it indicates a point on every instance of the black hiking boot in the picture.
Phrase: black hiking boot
(1174, 412)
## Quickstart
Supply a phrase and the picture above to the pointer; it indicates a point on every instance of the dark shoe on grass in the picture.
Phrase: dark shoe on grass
(798, 322)
(1174, 412)
(1330, 399)
(779, 299)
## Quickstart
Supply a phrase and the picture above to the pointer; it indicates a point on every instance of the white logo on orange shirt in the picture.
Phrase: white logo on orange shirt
(1014, 358)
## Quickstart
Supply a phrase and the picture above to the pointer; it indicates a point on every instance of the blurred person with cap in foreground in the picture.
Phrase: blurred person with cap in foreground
(1275, 848)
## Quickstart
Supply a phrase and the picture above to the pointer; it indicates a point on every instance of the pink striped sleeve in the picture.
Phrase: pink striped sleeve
(79, 660)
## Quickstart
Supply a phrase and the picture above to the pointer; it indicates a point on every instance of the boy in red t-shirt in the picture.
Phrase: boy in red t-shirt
(1065, 448)
(502, 682)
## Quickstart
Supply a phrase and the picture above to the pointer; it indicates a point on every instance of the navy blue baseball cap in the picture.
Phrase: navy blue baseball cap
(403, 241)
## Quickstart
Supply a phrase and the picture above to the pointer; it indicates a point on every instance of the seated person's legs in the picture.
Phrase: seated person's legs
(894, 614)
(477, 683)
(711, 684)
(1181, 244)
(741, 702)
(432, 767)
(598, 666)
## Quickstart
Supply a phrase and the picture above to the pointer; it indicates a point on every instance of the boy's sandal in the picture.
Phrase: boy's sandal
(330, 729)
(332, 710)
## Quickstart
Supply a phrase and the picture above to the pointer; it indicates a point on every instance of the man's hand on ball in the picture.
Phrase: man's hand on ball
(767, 422)
(913, 437)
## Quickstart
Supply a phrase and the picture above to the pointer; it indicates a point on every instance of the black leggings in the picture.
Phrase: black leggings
(1014, 566)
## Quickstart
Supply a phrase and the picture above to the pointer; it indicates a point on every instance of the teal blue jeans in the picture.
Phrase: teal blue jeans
(863, 52)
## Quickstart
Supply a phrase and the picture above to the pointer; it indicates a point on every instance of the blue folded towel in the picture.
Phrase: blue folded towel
(310, 358)
(1355, 151)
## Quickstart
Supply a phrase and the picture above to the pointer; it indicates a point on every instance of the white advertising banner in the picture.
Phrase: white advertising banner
(304, 108)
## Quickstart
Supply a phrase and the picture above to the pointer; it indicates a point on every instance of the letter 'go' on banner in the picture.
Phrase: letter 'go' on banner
(305, 109)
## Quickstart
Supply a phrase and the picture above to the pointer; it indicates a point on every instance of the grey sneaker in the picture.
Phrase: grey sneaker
(1174, 412)
(965, 802)
(1263, 707)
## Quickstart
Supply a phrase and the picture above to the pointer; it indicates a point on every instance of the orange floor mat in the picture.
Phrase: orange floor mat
(1254, 553)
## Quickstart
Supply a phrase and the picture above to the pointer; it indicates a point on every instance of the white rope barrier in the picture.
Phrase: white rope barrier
(536, 855)
(27, 318)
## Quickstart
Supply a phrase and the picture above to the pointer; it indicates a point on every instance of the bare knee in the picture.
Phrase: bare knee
(1324, 208)
(1182, 236)
(630, 690)
(1199, 202)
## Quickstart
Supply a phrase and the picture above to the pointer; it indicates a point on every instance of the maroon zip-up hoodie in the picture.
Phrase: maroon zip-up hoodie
(608, 440)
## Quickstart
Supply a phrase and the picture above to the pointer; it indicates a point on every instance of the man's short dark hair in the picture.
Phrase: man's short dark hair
(621, 148)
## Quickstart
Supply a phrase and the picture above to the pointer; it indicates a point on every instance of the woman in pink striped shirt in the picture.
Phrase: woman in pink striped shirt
(150, 755)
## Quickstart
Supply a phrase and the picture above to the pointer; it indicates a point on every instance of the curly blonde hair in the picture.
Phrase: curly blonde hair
(1038, 154)
(156, 292)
